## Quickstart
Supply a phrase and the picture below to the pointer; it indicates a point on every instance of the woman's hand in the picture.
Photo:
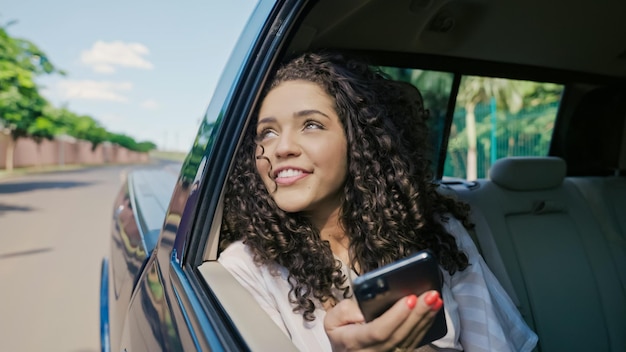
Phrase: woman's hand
(402, 326)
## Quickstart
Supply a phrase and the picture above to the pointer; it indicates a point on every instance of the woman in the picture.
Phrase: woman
(321, 192)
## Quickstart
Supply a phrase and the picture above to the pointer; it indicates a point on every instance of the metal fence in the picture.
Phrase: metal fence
(499, 134)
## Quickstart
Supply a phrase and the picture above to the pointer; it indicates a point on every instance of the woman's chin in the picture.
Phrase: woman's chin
(291, 208)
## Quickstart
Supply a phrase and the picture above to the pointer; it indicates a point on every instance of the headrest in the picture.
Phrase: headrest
(528, 173)
(592, 140)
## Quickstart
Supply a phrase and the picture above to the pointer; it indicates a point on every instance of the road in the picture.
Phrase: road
(54, 231)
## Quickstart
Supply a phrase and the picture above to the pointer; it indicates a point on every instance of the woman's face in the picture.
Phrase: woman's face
(299, 131)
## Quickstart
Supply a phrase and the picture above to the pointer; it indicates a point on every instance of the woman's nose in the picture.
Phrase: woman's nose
(287, 145)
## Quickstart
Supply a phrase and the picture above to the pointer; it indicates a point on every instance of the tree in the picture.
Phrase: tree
(475, 90)
(43, 127)
(145, 146)
(81, 127)
(21, 105)
(129, 143)
(515, 112)
(24, 112)
(47, 125)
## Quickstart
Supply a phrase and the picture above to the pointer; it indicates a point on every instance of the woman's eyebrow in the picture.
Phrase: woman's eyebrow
(304, 113)
(297, 114)
(266, 120)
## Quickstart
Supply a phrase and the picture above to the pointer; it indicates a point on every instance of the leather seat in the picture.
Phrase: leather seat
(532, 221)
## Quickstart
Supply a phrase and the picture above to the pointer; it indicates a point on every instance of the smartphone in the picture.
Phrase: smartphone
(379, 289)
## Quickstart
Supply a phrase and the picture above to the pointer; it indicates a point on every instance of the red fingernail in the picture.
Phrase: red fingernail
(411, 301)
(436, 305)
(431, 297)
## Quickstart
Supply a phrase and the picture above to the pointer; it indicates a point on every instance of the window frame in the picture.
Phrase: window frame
(257, 50)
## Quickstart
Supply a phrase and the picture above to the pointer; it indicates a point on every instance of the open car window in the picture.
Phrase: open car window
(436, 89)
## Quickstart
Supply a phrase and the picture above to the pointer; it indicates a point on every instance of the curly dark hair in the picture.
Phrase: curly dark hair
(390, 206)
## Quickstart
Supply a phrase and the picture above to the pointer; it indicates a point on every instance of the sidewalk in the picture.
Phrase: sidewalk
(32, 170)
(5, 175)
(154, 157)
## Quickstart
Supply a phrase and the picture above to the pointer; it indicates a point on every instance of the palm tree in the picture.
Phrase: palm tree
(475, 90)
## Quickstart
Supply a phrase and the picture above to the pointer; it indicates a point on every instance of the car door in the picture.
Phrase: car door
(173, 308)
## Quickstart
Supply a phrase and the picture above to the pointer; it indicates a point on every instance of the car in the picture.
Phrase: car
(528, 107)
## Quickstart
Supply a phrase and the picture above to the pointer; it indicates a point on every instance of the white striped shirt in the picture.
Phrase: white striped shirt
(479, 314)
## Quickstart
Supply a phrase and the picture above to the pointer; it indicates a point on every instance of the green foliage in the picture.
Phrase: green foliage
(21, 105)
(25, 113)
(79, 126)
(525, 133)
(145, 146)
(524, 116)
(18, 111)
(129, 143)
(42, 128)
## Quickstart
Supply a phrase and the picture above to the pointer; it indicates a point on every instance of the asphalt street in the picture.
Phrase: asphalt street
(54, 232)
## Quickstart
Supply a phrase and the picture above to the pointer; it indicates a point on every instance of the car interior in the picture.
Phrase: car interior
(551, 226)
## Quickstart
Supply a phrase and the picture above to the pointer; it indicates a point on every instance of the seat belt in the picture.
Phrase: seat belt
(489, 250)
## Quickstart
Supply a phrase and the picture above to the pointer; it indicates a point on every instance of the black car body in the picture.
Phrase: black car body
(162, 288)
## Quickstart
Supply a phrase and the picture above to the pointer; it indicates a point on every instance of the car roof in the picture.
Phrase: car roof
(581, 37)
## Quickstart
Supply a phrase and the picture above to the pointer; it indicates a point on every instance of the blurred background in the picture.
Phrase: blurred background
(89, 90)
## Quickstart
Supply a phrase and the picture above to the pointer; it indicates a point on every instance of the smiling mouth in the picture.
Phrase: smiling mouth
(288, 176)
(289, 173)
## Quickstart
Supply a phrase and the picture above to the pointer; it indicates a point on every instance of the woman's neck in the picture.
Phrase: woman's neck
(331, 230)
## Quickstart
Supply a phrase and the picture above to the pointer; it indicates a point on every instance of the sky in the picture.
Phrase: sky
(143, 68)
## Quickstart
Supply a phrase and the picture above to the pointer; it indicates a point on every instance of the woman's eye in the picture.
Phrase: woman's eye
(265, 133)
(309, 125)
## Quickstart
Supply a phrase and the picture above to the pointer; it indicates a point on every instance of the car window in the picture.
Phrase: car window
(435, 87)
(496, 118)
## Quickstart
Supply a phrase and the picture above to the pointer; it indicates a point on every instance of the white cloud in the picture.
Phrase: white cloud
(94, 90)
(102, 68)
(149, 104)
(104, 57)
